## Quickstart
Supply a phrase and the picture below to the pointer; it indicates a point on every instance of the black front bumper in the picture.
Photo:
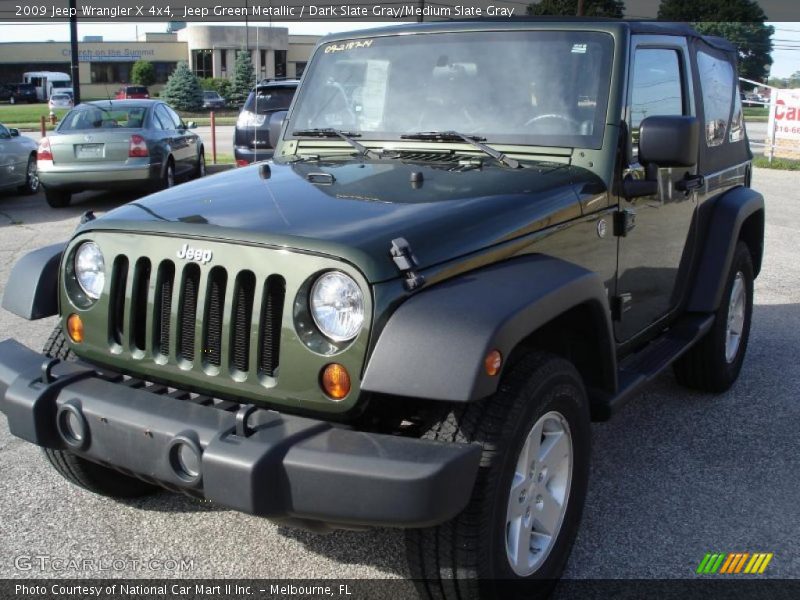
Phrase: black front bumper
(254, 460)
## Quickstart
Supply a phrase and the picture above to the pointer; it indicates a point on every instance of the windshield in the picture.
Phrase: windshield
(61, 84)
(211, 95)
(136, 90)
(546, 88)
(266, 100)
(93, 117)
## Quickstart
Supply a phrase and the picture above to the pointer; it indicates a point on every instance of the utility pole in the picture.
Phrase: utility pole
(580, 8)
(73, 47)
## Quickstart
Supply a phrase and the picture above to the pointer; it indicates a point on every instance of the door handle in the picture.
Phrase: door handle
(690, 183)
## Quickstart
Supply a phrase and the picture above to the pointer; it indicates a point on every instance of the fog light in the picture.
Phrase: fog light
(72, 425)
(493, 362)
(184, 457)
(75, 328)
(335, 381)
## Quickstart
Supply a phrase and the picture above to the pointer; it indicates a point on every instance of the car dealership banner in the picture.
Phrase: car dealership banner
(783, 132)
(314, 10)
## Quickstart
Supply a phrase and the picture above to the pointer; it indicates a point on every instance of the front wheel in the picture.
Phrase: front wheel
(514, 537)
(79, 471)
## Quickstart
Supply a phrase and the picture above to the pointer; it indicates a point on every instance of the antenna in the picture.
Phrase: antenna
(108, 94)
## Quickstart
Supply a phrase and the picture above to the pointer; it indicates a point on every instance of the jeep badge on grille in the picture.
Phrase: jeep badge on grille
(196, 254)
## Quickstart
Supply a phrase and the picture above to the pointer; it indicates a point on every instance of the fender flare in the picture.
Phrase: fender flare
(723, 231)
(435, 343)
(32, 288)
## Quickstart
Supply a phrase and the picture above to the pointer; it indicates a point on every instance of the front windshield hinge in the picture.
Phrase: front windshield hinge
(406, 262)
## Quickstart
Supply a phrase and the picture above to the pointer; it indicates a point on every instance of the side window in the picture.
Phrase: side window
(717, 83)
(656, 87)
(163, 119)
(176, 120)
(4, 133)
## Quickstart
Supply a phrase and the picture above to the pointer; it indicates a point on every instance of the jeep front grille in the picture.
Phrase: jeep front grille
(217, 327)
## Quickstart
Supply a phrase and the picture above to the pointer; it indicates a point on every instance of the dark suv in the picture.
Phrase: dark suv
(251, 137)
(22, 92)
(473, 239)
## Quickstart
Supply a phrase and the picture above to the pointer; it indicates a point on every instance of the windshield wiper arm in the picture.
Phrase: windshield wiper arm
(473, 140)
(347, 136)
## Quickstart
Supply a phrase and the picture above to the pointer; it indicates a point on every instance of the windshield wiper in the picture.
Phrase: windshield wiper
(347, 136)
(473, 140)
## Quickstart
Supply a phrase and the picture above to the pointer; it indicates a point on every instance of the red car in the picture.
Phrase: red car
(132, 92)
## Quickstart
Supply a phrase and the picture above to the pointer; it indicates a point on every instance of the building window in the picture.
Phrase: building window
(280, 63)
(223, 60)
(203, 63)
(111, 72)
(299, 67)
(263, 63)
(164, 70)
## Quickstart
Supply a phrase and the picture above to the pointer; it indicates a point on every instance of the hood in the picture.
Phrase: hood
(354, 209)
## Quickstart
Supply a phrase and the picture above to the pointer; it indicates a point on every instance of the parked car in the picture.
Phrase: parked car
(22, 92)
(458, 258)
(17, 161)
(212, 99)
(118, 144)
(60, 100)
(132, 92)
(251, 135)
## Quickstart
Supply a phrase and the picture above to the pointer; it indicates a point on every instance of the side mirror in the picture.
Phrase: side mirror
(275, 126)
(13, 132)
(664, 142)
(669, 141)
(191, 125)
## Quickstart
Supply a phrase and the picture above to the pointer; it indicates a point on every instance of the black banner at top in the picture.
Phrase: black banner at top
(388, 10)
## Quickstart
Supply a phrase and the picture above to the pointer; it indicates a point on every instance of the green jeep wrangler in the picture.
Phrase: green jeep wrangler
(474, 239)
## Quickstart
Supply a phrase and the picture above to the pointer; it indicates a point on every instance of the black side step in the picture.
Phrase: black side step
(637, 369)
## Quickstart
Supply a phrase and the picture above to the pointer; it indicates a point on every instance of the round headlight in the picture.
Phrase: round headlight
(90, 269)
(337, 306)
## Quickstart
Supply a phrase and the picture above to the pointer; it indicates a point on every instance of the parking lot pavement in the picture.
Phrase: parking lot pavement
(675, 475)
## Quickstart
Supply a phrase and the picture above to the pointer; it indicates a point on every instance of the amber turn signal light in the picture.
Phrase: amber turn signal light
(335, 381)
(75, 328)
(493, 362)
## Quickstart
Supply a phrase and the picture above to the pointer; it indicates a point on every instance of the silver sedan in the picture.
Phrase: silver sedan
(17, 162)
(118, 144)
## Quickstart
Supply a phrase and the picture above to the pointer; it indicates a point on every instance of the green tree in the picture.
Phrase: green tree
(143, 73)
(591, 8)
(183, 91)
(741, 22)
(243, 79)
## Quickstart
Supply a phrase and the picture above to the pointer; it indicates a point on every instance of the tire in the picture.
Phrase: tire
(168, 179)
(710, 365)
(201, 166)
(467, 557)
(57, 198)
(79, 471)
(31, 185)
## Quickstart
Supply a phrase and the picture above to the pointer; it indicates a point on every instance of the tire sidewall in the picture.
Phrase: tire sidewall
(561, 392)
(30, 188)
(741, 263)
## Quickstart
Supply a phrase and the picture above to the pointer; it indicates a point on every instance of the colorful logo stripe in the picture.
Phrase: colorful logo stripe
(734, 562)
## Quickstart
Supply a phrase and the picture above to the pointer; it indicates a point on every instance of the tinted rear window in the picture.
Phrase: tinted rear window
(137, 90)
(103, 118)
(266, 100)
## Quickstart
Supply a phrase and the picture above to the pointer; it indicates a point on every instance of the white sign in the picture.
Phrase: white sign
(784, 115)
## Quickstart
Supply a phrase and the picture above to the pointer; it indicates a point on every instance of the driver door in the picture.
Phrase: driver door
(659, 240)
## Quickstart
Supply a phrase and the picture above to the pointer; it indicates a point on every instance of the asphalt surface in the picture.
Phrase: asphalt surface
(675, 475)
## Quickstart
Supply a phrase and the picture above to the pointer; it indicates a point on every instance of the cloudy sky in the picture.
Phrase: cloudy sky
(786, 55)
